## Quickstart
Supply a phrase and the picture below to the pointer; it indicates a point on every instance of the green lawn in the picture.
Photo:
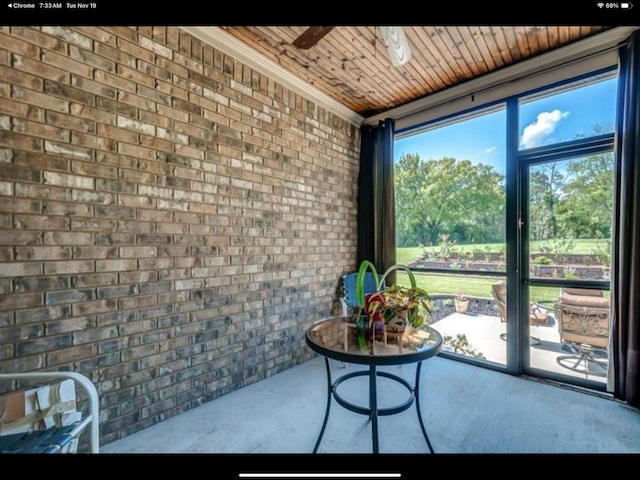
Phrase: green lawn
(472, 286)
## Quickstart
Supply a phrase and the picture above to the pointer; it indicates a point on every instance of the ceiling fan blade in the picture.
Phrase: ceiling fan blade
(397, 45)
(310, 37)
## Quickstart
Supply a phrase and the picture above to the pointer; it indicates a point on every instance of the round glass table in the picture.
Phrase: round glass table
(340, 338)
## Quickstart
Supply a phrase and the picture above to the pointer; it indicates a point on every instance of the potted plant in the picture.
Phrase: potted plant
(396, 306)
(462, 302)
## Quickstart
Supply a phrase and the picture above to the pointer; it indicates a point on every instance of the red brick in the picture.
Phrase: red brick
(68, 238)
(102, 36)
(87, 57)
(66, 63)
(56, 326)
(34, 36)
(35, 67)
(21, 206)
(20, 238)
(19, 141)
(115, 80)
(20, 301)
(41, 99)
(41, 130)
(94, 280)
(90, 308)
(40, 222)
(93, 114)
(136, 151)
(68, 92)
(42, 253)
(68, 150)
(21, 110)
(89, 169)
(40, 284)
(68, 267)
(69, 35)
(138, 277)
(24, 83)
(92, 252)
(34, 162)
(93, 225)
(72, 354)
(115, 265)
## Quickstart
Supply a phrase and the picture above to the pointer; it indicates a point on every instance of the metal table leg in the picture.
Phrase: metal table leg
(373, 406)
(326, 414)
(372, 410)
(416, 394)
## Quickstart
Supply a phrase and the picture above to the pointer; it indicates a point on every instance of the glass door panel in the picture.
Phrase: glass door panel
(569, 258)
(450, 206)
(570, 204)
(476, 329)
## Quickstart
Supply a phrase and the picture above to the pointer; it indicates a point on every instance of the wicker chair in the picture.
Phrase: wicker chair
(583, 322)
(537, 315)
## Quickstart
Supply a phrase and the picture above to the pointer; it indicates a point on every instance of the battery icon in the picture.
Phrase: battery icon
(626, 5)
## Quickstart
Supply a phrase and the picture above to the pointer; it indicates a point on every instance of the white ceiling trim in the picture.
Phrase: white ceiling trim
(588, 46)
(227, 43)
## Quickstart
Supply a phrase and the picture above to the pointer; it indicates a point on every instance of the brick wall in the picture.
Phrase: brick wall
(171, 221)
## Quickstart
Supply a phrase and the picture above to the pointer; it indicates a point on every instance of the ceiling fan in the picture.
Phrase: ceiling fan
(394, 38)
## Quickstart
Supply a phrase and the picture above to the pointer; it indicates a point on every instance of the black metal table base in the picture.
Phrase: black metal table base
(372, 411)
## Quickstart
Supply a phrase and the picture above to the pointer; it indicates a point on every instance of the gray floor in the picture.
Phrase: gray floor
(466, 409)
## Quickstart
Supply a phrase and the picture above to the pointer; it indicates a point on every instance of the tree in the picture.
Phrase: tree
(587, 206)
(446, 196)
(546, 183)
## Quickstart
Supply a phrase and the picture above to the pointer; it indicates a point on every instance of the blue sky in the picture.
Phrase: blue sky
(552, 119)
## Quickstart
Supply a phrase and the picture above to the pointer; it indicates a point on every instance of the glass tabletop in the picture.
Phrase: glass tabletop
(341, 339)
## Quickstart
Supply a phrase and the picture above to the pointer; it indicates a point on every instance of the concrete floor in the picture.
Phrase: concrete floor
(466, 410)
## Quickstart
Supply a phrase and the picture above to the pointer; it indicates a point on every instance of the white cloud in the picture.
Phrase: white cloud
(490, 150)
(545, 124)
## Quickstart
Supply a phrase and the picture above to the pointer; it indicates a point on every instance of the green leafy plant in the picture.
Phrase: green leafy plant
(460, 297)
(446, 246)
(412, 303)
(460, 345)
(542, 260)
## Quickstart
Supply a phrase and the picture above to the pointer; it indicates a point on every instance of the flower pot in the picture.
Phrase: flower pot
(398, 324)
(462, 306)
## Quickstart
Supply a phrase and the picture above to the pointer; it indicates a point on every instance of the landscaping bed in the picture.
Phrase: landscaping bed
(442, 306)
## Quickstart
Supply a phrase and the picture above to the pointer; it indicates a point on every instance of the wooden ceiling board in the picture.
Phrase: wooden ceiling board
(421, 63)
(351, 65)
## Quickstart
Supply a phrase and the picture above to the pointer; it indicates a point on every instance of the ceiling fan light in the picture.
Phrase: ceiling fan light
(397, 45)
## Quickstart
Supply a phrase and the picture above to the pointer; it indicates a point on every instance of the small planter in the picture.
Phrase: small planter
(462, 306)
(398, 324)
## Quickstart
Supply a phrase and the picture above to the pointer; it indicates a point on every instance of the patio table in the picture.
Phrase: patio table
(337, 338)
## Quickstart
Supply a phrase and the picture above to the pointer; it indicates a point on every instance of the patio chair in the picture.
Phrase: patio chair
(348, 299)
(537, 315)
(583, 323)
(34, 419)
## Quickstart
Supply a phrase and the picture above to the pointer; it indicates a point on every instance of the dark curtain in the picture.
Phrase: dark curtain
(376, 204)
(625, 278)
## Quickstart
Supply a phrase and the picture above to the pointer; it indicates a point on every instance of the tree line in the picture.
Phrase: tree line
(466, 201)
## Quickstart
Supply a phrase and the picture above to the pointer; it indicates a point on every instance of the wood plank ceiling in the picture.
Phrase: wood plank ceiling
(351, 64)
